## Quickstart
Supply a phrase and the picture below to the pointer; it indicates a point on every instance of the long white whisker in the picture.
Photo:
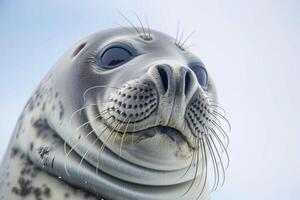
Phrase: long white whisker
(122, 140)
(97, 86)
(103, 147)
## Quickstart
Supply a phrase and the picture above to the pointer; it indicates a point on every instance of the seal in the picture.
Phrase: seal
(124, 114)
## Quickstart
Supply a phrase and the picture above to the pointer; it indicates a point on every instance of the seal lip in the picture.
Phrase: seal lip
(126, 46)
(174, 134)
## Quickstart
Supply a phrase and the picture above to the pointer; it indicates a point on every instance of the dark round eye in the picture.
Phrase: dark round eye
(114, 56)
(201, 75)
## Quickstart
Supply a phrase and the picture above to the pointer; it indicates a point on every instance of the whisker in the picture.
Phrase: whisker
(215, 104)
(85, 106)
(218, 107)
(222, 132)
(93, 144)
(224, 149)
(192, 161)
(149, 30)
(103, 146)
(195, 174)
(214, 162)
(65, 142)
(212, 100)
(97, 86)
(73, 147)
(224, 118)
(133, 26)
(186, 39)
(145, 36)
(115, 136)
(134, 124)
(122, 140)
(205, 161)
(220, 159)
(122, 122)
(93, 119)
(180, 38)
(177, 32)
(215, 118)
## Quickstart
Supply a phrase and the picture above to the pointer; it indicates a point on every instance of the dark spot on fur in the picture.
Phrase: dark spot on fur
(43, 106)
(30, 104)
(19, 125)
(47, 191)
(24, 187)
(14, 152)
(43, 151)
(23, 156)
(41, 125)
(66, 195)
(31, 146)
(52, 163)
(61, 111)
(23, 171)
(37, 192)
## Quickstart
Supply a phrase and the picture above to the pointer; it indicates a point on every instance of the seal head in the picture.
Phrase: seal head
(150, 90)
(139, 111)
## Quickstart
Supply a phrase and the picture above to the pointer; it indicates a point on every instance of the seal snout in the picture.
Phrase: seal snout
(168, 95)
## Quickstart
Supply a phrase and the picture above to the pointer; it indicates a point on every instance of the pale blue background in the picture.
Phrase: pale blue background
(251, 48)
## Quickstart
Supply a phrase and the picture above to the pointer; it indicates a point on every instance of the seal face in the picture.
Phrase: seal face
(127, 116)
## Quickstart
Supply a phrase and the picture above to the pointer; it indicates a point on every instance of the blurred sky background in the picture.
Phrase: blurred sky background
(251, 49)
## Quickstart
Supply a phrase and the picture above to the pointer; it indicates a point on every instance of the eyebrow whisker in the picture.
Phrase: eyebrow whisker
(186, 39)
(149, 30)
(140, 21)
(133, 26)
(177, 32)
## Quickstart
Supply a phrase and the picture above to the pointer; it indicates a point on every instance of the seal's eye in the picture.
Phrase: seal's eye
(201, 75)
(114, 56)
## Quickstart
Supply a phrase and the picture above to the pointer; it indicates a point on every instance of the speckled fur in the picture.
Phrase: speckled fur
(20, 178)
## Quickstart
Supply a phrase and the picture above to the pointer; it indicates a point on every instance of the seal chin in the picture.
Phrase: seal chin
(159, 147)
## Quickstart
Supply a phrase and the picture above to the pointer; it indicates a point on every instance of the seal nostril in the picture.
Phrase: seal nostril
(164, 77)
(187, 82)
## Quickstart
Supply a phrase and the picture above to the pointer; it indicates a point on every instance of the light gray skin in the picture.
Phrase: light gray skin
(144, 130)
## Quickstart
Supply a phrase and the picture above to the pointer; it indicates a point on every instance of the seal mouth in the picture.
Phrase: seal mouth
(174, 134)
